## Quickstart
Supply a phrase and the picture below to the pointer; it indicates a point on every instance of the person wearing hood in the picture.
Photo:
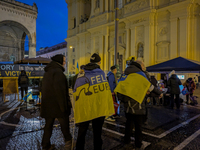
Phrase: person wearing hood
(173, 84)
(23, 82)
(55, 101)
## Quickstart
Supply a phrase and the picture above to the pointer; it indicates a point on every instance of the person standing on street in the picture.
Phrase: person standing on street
(192, 87)
(155, 97)
(173, 83)
(111, 77)
(55, 101)
(23, 82)
(93, 101)
(131, 90)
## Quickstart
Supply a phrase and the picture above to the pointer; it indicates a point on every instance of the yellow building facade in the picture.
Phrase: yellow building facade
(153, 30)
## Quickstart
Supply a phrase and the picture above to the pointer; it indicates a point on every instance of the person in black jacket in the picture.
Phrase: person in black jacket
(55, 101)
(135, 112)
(153, 95)
(23, 82)
(173, 84)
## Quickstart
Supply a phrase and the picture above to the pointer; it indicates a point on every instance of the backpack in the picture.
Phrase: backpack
(23, 80)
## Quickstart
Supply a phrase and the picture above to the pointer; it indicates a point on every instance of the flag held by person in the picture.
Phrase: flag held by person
(92, 96)
(77, 68)
(134, 85)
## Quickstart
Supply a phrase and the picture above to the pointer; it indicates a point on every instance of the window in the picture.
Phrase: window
(73, 50)
(120, 2)
(74, 23)
(73, 61)
(97, 3)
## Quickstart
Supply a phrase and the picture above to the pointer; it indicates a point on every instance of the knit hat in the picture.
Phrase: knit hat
(58, 58)
(95, 58)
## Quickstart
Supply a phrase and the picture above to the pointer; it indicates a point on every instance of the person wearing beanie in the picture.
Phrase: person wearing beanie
(101, 106)
(173, 84)
(95, 58)
(55, 101)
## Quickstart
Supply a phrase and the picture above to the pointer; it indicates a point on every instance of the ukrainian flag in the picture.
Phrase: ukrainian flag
(134, 85)
(92, 96)
(77, 68)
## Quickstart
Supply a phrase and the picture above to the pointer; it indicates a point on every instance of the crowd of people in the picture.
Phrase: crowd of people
(95, 96)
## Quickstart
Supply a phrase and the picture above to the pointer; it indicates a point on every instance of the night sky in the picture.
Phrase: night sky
(51, 24)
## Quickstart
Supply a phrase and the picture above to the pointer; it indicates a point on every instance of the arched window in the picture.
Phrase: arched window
(120, 2)
(97, 3)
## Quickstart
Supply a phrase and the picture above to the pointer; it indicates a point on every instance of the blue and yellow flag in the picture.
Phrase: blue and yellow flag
(92, 96)
(77, 68)
(134, 85)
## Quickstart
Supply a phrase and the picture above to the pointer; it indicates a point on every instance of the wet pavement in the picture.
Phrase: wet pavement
(165, 129)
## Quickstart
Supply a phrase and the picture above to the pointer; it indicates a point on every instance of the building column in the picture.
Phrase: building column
(112, 4)
(197, 37)
(127, 52)
(106, 5)
(173, 38)
(183, 37)
(101, 49)
(92, 7)
(149, 44)
(132, 50)
(101, 6)
(92, 44)
(106, 63)
(82, 7)
(77, 14)
(32, 50)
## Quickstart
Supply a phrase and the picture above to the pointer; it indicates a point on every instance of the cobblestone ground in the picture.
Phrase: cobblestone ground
(165, 129)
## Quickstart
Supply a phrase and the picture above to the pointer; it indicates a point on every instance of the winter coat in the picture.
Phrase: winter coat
(91, 66)
(20, 78)
(111, 81)
(192, 86)
(154, 82)
(55, 95)
(173, 83)
(139, 109)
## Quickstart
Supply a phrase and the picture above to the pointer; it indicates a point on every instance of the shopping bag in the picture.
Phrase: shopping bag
(185, 91)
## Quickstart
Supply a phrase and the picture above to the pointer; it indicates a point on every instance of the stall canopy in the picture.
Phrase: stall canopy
(178, 64)
(38, 60)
